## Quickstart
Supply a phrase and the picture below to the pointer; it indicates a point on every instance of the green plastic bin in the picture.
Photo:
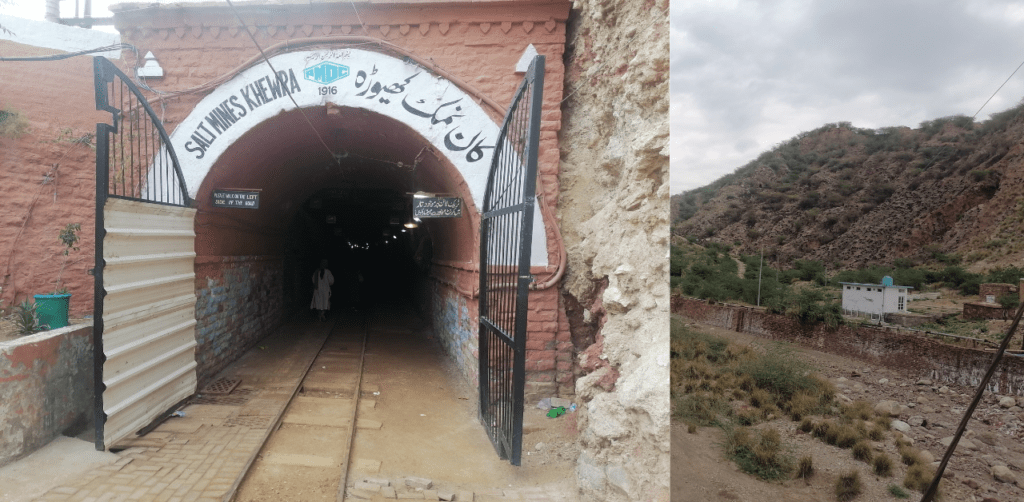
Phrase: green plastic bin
(52, 310)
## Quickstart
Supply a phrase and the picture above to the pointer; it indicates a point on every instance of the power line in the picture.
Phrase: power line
(297, 107)
(997, 90)
(58, 57)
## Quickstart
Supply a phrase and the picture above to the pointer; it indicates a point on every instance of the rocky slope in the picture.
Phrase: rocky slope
(850, 197)
(614, 212)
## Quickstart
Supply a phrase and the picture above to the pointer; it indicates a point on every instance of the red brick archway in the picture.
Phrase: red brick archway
(474, 45)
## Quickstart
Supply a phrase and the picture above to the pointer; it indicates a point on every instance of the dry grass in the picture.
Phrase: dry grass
(716, 383)
(862, 451)
(759, 453)
(882, 465)
(805, 469)
(848, 486)
(918, 477)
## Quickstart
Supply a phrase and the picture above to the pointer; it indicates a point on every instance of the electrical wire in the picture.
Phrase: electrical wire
(997, 90)
(360, 19)
(297, 107)
(58, 57)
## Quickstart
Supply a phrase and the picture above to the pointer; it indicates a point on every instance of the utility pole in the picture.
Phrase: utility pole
(759, 270)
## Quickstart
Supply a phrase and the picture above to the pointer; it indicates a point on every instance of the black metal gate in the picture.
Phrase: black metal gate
(144, 312)
(506, 235)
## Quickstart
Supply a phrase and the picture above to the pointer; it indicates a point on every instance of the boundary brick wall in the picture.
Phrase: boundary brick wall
(46, 388)
(47, 179)
(986, 311)
(915, 355)
(239, 301)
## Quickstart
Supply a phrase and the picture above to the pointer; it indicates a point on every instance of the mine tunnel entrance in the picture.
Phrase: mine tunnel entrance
(334, 183)
(335, 179)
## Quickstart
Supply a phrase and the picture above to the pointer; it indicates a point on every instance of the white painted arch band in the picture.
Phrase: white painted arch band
(437, 109)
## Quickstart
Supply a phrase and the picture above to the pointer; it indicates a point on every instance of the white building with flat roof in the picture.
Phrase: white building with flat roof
(874, 300)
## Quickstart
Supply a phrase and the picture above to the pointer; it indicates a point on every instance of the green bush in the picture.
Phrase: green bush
(26, 318)
(1008, 275)
(1010, 301)
(898, 492)
(811, 307)
(779, 371)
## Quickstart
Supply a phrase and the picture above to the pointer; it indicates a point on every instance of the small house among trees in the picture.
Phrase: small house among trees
(874, 300)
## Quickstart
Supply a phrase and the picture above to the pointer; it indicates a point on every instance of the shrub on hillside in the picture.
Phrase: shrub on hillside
(759, 453)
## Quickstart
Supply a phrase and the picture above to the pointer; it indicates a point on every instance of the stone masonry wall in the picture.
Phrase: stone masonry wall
(916, 355)
(239, 301)
(46, 388)
(614, 209)
(455, 325)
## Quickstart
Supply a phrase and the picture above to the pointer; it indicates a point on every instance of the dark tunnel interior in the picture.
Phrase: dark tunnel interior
(337, 184)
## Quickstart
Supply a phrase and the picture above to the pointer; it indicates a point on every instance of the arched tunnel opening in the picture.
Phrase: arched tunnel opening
(370, 243)
(335, 183)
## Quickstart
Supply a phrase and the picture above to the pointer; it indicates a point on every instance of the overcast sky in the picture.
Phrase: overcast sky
(749, 74)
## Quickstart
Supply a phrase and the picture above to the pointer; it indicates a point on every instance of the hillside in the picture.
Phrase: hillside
(850, 197)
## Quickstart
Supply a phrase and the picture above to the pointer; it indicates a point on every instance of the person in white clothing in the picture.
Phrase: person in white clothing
(322, 282)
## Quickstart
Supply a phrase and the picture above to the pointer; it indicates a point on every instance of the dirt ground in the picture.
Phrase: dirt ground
(701, 473)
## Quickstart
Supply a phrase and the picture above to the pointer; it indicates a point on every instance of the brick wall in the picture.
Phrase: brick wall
(915, 355)
(238, 301)
(477, 42)
(46, 388)
(549, 348)
(47, 180)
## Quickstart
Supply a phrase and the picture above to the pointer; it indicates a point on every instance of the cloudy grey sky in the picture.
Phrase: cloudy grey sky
(749, 74)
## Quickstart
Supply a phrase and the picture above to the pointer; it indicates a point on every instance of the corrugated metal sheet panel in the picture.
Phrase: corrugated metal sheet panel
(148, 313)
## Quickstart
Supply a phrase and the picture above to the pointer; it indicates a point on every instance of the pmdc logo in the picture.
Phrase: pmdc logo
(325, 73)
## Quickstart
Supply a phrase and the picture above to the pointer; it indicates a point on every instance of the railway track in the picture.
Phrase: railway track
(306, 457)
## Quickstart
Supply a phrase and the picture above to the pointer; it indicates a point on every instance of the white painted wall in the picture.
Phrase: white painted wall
(874, 298)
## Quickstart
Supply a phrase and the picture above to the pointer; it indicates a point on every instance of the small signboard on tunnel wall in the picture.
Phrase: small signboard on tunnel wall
(243, 199)
(437, 207)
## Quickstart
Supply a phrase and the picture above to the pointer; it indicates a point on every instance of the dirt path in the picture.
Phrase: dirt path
(699, 471)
